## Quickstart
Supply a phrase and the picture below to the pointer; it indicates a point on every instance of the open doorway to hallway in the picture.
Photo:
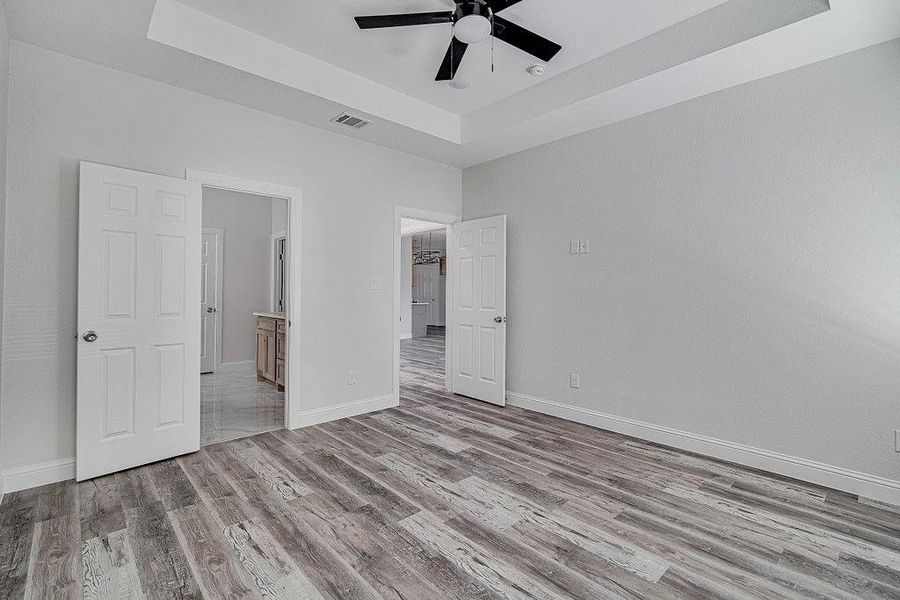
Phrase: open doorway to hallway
(423, 304)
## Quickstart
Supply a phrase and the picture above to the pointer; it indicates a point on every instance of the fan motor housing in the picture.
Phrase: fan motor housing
(478, 8)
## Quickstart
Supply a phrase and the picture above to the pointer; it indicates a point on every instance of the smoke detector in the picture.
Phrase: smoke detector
(535, 70)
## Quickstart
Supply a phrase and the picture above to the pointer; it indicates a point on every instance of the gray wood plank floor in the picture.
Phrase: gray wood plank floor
(445, 497)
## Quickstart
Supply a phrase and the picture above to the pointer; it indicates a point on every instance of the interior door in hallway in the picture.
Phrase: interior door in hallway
(138, 388)
(478, 363)
(210, 272)
(429, 288)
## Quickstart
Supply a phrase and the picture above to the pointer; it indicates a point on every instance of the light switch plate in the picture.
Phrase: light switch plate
(573, 247)
(351, 377)
(584, 247)
(897, 440)
(375, 284)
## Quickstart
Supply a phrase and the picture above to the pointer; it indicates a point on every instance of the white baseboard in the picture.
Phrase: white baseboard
(347, 409)
(853, 482)
(23, 478)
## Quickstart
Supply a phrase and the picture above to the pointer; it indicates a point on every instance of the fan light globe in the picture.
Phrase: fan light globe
(472, 29)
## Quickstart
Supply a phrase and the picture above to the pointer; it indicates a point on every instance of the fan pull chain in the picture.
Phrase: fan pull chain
(492, 42)
(452, 49)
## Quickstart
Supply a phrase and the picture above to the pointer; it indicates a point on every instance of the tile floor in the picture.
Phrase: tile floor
(233, 404)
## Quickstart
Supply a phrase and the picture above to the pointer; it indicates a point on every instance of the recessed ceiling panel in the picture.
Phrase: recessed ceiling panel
(407, 58)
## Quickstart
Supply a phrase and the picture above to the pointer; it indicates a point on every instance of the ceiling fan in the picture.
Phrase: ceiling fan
(473, 21)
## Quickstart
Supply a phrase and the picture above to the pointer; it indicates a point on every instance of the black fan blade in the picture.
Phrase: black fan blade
(454, 56)
(498, 5)
(378, 21)
(524, 40)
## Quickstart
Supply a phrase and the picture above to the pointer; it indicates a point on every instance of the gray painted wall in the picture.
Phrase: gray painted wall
(744, 275)
(4, 103)
(246, 221)
(66, 109)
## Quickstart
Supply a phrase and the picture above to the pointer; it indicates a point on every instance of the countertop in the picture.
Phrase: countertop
(269, 315)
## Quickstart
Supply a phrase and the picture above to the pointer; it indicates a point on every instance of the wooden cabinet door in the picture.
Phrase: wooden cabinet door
(261, 359)
(270, 355)
(279, 372)
(279, 345)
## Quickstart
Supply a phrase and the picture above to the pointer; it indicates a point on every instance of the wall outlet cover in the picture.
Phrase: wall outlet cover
(375, 284)
(573, 247)
(574, 381)
(351, 378)
(584, 247)
(897, 440)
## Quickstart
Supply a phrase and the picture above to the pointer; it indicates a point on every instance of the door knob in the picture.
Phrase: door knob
(90, 336)
(499, 319)
(210, 309)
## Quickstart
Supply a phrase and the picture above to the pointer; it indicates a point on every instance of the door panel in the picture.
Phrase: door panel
(478, 362)
(118, 391)
(170, 375)
(119, 266)
(138, 389)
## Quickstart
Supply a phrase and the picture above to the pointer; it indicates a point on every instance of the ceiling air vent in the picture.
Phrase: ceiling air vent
(351, 121)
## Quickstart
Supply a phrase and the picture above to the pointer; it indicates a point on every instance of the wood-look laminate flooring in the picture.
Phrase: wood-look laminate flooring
(445, 497)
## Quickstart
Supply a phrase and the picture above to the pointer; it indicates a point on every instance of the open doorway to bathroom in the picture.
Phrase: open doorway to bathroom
(242, 311)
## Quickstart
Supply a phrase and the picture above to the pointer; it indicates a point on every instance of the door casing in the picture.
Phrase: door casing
(294, 197)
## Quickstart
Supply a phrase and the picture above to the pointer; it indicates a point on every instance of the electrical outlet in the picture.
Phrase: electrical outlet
(897, 440)
(351, 377)
(574, 381)
(579, 247)
(375, 284)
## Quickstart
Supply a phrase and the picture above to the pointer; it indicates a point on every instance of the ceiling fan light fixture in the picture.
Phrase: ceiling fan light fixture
(472, 29)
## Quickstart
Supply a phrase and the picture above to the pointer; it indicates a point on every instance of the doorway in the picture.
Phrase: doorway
(423, 304)
(242, 314)
(464, 350)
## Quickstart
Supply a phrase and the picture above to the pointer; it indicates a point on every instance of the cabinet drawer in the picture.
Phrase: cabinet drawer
(265, 324)
(281, 325)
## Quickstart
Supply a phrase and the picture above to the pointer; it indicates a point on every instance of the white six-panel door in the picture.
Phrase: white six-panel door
(138, 392)
(210, 264)
(478, 364)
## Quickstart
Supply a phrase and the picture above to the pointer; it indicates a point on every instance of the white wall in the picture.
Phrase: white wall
(246, 221)
(279, 215)
(744, 275)
(65, 110)
(405, 287)
(4, 103)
